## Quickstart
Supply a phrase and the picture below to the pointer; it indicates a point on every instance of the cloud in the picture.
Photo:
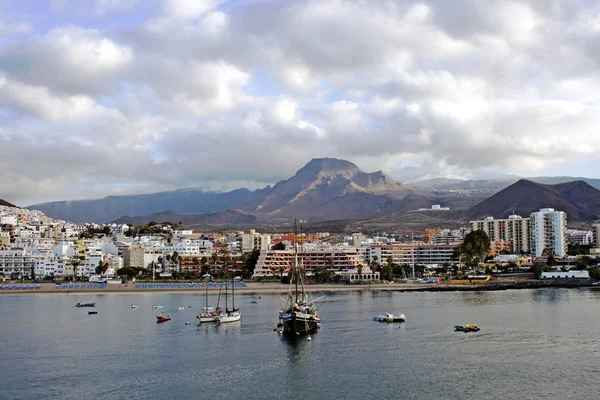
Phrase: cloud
(219, 93)
(8, 29)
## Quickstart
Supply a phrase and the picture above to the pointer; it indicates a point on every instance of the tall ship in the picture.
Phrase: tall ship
(208, 313)
(299, 316)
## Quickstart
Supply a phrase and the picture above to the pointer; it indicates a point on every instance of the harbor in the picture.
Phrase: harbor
(546, 330)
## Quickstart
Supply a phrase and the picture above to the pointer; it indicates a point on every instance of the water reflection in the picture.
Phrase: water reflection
(549, 295)
(476, 298)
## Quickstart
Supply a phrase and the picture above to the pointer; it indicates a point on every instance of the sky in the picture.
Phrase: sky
(109, 97)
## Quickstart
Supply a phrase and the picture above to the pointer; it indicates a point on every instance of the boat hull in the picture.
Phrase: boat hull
(297, 326)
(459, 328)
(230, 318)
(203, 319)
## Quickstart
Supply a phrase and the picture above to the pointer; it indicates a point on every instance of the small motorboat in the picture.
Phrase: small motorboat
(254, 302)
(466, 328)
(85, 305)
(92, 312)
(389, 317)
(157, 305)
(134, 306)
(181, 308)
(161, 318)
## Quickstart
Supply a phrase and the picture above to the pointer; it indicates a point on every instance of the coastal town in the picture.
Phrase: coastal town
(34, 247)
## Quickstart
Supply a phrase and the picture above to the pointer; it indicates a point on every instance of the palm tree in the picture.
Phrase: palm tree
(359, 269)
(160, 261)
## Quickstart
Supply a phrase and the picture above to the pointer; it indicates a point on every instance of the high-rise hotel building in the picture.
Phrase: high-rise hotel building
(549, 230)
(543, 229)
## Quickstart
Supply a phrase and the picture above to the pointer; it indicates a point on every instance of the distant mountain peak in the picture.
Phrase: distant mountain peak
(328, 165)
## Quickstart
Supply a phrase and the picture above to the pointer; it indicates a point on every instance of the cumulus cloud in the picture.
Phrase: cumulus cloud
(218, 94)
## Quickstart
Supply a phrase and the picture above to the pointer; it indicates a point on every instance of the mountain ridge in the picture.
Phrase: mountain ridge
(578, 199)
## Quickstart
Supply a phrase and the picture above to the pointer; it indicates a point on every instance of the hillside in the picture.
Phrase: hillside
(7, 204)
(578, 199)
(182, 201)
(226, 217)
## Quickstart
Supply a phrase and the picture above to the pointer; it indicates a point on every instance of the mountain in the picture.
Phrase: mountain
(328, 188)
(578, 199)
(324, 189)
(226, 217)
(6, 204)
(491, 185)
(180, 201)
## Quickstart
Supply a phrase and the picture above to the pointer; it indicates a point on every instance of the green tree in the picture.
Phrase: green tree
(594, 272)
(387, 272)
(250, 263)
(278, 246)
(359, 269)
(474, 248)
(126, 271)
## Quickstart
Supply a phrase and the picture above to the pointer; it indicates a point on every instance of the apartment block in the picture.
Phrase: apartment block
(343, 261)
(431, 255)
(548, 230)
(512, 232)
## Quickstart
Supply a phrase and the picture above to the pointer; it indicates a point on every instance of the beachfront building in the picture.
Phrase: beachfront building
(345, 262)
(430, 255)
(548, 231)
(16, 260)
(512, 232)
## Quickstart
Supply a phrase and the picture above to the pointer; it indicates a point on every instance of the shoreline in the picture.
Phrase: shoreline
(278, 288)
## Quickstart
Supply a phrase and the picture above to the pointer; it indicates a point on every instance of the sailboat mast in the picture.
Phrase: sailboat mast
(296, 275)
(302, 270)
(225, 283)
(232, 293)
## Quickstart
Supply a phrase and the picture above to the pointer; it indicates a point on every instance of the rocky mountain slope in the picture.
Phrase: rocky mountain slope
(6, 204)
(324, 189)
(578, 199)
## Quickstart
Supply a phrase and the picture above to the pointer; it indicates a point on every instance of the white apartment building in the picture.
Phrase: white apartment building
(343, 261)
(430, 255)
(188, 248)
(52, 266)
(253, 240)
(580, 237)
(447, 236)
(8, 220)
(16, 260)
(549, 230)
(513, 231)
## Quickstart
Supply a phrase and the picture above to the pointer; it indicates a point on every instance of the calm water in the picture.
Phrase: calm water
(533, 344)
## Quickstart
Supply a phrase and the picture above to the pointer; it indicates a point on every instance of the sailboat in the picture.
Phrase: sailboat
(208, 314)
(234, 314)
(300, 316)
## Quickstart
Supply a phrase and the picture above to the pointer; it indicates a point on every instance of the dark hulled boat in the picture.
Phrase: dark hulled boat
(300, 316)
(85, 305)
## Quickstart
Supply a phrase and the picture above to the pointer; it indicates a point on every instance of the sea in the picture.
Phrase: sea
(533, 344)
